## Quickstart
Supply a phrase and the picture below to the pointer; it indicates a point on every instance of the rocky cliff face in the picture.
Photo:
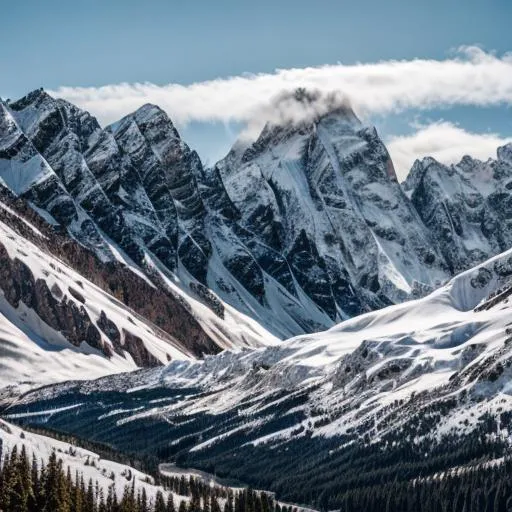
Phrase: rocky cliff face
(167, 168)
(303, 228)
(467, 207)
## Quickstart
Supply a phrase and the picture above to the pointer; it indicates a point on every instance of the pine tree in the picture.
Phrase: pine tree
(144, 507)
(170, 504)
(215, 505)
(160, 502)
(110, 498)
(89, 504)
(76, 495)
(102, 507)
(51, 485)
(206, 502)
(183, 506)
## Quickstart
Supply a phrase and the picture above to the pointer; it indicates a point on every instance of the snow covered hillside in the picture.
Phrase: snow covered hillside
(105, 476)
(409, 377)
(56, 325)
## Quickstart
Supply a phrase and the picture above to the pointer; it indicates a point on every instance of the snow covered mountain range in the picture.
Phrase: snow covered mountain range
(301, 229)
(294, 307)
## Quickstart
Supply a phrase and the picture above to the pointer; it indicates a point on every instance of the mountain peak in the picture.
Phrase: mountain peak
(469, 164)
(298, 113)
(505, 153)
(151, 119)
(149, 110)
(37, 96)
(304, 107)
(418, 170)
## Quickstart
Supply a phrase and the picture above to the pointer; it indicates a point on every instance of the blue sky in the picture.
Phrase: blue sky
(93, 44)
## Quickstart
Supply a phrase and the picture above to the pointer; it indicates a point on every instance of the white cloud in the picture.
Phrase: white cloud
(444, 141)
(471, 77)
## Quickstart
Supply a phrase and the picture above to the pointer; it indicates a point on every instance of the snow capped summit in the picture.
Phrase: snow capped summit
(152, 119)
(324, 195)
(20, 165)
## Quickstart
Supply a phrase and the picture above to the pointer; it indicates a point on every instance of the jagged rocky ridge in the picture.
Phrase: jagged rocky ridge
(303, 228)
(468, 206)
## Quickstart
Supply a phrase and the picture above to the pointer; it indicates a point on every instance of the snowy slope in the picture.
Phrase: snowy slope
(386, 388)
(56, 325)
(57, 274)
(378, 357)
(106, 473)
(385, 364)
(28, 360)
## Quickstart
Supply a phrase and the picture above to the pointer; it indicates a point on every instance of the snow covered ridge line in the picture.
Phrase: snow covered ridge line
(114, 234)
(292, 234)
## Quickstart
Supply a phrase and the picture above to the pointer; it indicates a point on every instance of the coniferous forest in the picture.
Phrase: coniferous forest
(29, 485)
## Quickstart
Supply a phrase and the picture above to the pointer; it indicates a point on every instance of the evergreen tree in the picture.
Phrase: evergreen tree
(89, 505)
(170, 504)
(160, 502)
(183, 506)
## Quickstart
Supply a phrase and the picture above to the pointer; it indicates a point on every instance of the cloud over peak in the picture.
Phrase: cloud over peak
(470, 77)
